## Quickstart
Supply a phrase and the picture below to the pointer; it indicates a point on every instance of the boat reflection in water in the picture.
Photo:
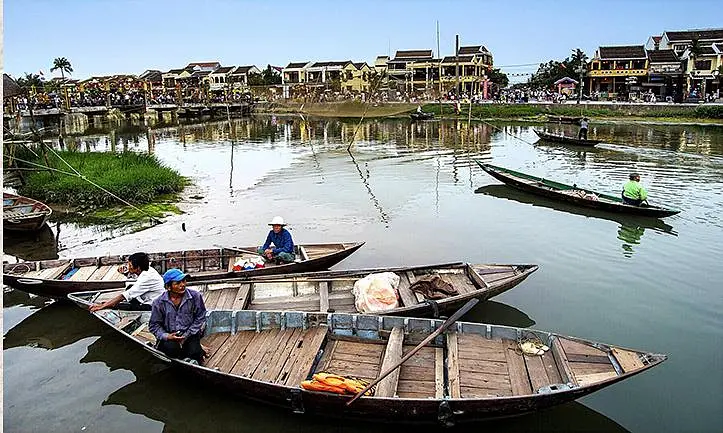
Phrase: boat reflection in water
(38, 245)
(631, 227)
(52, 327)
(497, 313)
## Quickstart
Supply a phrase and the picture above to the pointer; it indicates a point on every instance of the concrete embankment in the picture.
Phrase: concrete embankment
(337, 109)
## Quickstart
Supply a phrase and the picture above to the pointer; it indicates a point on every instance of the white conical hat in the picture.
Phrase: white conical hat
(277, 221)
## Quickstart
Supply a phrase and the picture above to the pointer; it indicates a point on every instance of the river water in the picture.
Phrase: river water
(414, 194)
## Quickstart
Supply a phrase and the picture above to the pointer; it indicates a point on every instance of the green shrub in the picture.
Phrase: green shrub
(135, 177)
(710, 111)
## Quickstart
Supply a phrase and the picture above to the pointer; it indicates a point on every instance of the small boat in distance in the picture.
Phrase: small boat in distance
(564, 139)
(23, 213)
(470, 372)
(572, 194)
(564, 119)
(421, 116)
(331, 291)
(57, 278)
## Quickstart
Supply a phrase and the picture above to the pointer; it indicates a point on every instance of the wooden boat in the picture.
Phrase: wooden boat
(625, 220)
(57, 278)
(564, 139)
(421, 116)
(23, 213)
(571, 194)
(470, 372)
(564, 119)
(332, 291)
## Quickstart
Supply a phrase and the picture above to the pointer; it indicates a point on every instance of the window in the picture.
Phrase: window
(703, 64)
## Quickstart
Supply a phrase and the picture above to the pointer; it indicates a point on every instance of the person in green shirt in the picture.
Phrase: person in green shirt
(634, 193)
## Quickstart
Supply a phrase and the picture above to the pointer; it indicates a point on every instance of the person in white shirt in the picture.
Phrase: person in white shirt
(141, 294)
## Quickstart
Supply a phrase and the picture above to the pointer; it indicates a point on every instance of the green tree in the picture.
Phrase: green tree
(62, 64)
(271, 76)
(30, 82)
(499, 78)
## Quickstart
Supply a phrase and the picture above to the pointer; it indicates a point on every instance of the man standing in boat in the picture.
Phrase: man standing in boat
(582, 135)
(141, 294)
(283, 249)
(178, 319)
(633, 192)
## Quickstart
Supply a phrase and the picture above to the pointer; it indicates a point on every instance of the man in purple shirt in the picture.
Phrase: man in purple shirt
(178, 318)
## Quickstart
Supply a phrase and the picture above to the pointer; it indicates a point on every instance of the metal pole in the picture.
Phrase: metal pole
(456, 63)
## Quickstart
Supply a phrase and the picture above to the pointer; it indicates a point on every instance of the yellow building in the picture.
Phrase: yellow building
(618, 70)
(356, 77)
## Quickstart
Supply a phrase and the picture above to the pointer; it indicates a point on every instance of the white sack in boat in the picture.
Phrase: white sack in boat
(376, 292)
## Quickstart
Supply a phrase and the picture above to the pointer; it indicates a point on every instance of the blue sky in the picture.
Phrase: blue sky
(102, 37)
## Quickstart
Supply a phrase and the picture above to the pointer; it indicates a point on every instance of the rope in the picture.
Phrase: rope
(364, 113)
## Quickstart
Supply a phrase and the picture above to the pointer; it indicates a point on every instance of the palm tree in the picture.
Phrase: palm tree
(30, 81)
(64, 65)
(579, 61)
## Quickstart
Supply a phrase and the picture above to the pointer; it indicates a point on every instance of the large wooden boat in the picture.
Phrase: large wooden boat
(472, 371)
(332, 291)
(572, 193)
(23, 213)
(565, 139)
(58, 278)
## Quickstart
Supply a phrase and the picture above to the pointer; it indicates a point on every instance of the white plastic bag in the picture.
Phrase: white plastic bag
(376, 292)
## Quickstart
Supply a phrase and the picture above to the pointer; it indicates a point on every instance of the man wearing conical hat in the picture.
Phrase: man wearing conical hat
(282, 250)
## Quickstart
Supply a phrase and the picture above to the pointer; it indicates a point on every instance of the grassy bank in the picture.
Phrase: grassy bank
(350, 109)
(536, 112)
(140, 179)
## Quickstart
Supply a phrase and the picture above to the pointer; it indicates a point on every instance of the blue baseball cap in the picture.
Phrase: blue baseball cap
(173, 275)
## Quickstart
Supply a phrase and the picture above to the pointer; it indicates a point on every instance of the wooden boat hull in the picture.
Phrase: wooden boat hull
(421, 116)
(331, 291)
(23, 213)
(554, 190)
(564, 119)
(563, 139)
(45, 278)
(472, 372)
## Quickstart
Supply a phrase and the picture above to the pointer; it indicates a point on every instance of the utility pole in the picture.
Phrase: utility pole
(439, 66)
(456, 64)
(581, 71)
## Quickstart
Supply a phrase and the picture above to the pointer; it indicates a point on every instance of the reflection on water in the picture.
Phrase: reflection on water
(39, 245)
(17, 298)
(408, 191)
(631, 227)
(52, 327)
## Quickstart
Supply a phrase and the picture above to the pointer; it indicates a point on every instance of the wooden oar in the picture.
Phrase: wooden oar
(447, 323)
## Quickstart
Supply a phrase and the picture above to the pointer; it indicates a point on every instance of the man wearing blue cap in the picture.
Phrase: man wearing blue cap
(178, 318)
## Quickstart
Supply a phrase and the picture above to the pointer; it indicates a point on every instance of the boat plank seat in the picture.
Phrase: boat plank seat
(629, 361)
(303, 254)
(558, 353)
(387, 387)
(243, 297)
(265, 365)
(48, 273)
(453, 373)
(83, 273)
(587, 363)
(324, 289)
(250, 358)
(101, 272)
(487, 368)
(226, 356)
(210, 298)
(287, 303)
(144, 334)
(126, 320)
(302, 357)
(315, 251)
(408, 297)
(214, 342)
(417, 376)
(358, 359)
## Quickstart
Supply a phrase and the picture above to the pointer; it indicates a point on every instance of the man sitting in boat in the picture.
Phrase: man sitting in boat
(419, 109)
(633, 192)
(141, 293)
(582, 135)
(178, 318)
(283, 249)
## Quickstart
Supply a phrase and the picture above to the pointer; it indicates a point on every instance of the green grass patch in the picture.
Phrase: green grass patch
(537, 112)
(137, 178)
